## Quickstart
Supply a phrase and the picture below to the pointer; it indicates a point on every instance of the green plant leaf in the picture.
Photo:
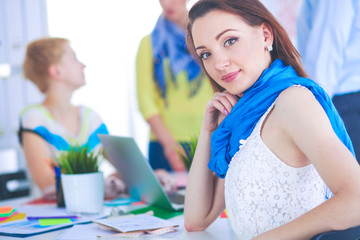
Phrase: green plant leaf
(188, 152)
(78, 159)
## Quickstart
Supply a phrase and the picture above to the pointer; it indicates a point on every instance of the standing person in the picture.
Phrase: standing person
(328, 41)
(272, 137)
(172, 92)
(56, 124)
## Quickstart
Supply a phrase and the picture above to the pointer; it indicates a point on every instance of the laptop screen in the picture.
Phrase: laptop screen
(135, 171)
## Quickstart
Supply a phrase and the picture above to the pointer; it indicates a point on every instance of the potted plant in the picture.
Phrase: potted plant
(82, 183)
(188, 152)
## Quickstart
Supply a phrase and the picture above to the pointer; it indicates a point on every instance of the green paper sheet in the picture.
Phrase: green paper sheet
(7, 214)
(53, 221)
(158, 212)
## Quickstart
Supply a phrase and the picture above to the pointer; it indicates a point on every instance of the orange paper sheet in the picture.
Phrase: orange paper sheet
(6, 209)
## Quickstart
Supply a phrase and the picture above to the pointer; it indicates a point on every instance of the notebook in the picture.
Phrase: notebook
(137, 174)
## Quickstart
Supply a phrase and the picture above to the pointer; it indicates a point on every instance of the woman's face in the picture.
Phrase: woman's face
(174, 10)
(233, 53)
(71, 68)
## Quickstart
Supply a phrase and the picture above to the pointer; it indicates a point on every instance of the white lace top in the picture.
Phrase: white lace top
(262, 192)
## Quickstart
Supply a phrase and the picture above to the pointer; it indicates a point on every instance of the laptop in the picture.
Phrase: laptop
(137, 174)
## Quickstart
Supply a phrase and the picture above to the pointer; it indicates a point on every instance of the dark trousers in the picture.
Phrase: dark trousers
(348, 106)
(157, 157)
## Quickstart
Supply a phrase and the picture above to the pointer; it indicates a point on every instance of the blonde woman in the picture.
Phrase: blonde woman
(55, 124)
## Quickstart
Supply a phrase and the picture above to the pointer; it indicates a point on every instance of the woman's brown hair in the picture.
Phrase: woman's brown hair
(254, 13)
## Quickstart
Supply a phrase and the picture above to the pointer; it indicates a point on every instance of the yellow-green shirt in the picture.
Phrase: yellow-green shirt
(182, 114)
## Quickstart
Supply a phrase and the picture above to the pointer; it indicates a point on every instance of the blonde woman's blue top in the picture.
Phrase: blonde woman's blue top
(37, 119)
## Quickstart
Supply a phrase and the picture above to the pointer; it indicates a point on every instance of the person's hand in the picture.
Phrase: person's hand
(217, 109)
(171, 155)
(166, 180)
(49, 193)
(114, 187)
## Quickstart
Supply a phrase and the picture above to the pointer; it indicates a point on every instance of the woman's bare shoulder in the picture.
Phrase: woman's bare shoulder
(297, 104)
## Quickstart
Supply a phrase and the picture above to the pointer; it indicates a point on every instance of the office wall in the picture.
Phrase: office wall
(105, 35)
(286, 12)
(20, 22)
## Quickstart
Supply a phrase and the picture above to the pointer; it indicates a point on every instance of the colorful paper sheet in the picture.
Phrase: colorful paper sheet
(6, 209)
(7, 214)
(14, 217)
(53, 221)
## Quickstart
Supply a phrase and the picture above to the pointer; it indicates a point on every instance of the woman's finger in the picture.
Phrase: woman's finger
(220, 107)
(226, 100)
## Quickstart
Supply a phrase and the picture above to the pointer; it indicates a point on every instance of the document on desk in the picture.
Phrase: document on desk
(23, 228)
(135, 223)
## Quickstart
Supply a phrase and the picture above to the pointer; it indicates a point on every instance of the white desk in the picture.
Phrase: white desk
(219, 230)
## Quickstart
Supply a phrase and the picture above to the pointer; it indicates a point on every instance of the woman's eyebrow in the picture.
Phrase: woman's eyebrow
(223, 32)
(200, 47)
(217, 37)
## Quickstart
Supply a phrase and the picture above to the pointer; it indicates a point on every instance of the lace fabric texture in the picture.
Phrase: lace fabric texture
(262, 192)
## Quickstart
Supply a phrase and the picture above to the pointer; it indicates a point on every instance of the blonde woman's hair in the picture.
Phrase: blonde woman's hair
(40, 55)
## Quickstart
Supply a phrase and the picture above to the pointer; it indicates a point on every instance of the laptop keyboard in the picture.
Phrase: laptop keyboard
(175, 197)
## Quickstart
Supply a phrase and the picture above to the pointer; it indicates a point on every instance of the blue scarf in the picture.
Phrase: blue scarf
(253, 104)
(168, 41)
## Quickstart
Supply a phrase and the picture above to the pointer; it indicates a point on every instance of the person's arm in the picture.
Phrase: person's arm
(307, 125)
(147, 94)
(37, 157)
(323, 30)
(113, 184)
(204, 198)
(168, 143)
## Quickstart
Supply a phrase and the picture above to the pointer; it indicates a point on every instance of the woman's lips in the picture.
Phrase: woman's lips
(230, 76)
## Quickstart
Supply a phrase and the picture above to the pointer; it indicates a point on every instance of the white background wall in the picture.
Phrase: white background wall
(105, 35)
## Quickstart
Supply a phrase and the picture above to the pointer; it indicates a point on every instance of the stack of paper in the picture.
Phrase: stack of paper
(98, 231)
(137, 225)
(42, 219)
(8, 214)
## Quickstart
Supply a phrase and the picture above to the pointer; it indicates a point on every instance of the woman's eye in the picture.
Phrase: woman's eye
(230, 42)
(205, 55)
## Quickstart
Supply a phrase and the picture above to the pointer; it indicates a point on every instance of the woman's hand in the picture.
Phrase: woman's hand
(171, 155)
(167, 141)
(217, 109)
(166, 180)
(114, 186)
(49, 193)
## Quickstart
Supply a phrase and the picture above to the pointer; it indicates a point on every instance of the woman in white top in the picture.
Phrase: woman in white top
(272, 149)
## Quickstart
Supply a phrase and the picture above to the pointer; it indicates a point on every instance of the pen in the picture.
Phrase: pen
(53, 163)
(51, 217)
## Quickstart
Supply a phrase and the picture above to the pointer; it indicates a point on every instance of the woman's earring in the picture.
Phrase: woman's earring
(269, 47)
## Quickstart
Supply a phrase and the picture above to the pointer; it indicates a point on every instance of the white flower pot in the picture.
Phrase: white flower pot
(83, 193)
